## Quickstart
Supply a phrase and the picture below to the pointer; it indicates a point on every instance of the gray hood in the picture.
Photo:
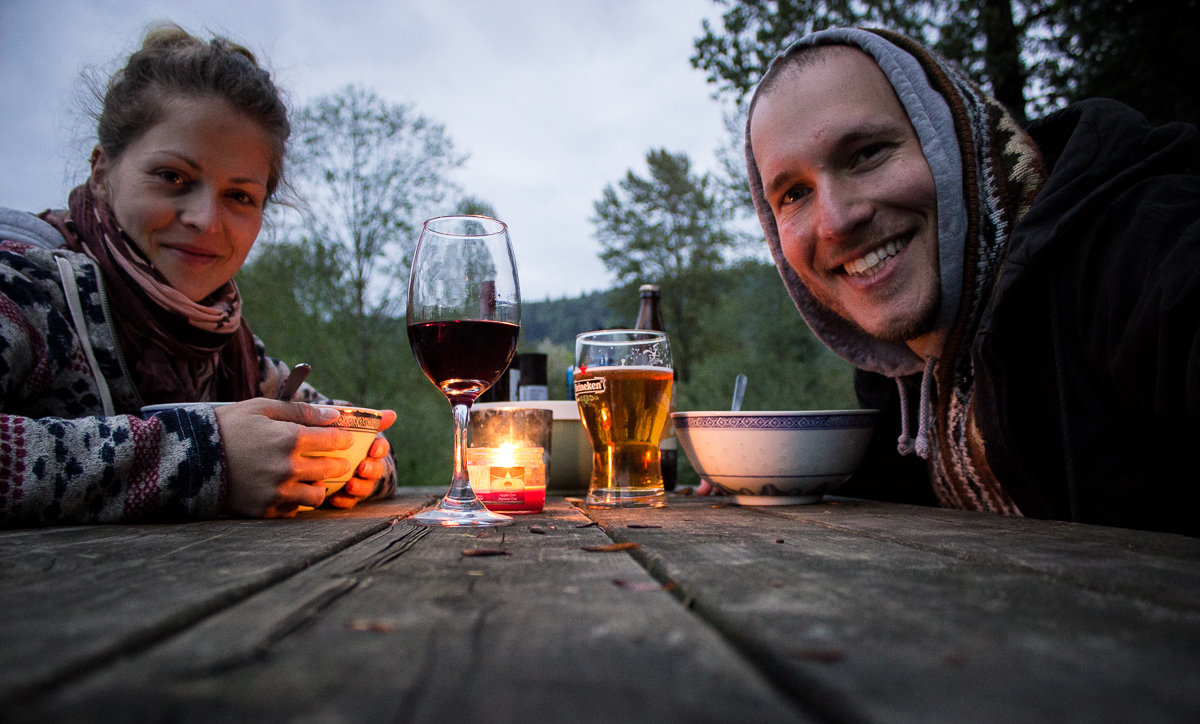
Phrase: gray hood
(931, 118)
(29, 229)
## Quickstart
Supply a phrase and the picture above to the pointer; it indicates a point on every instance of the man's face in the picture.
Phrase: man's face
(852, 193)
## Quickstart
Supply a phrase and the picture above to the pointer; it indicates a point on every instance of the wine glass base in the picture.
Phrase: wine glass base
(461, 518)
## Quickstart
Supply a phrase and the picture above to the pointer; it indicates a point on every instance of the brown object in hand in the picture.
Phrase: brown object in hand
(611, 548)
(477, 552)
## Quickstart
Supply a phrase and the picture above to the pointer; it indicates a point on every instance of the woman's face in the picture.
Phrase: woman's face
(190, 192)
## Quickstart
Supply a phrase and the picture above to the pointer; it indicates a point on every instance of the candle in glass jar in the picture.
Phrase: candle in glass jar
(508, 479)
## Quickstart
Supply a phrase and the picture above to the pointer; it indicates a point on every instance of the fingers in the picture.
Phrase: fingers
(370, 469)
(300, 413)
(299, 494)
(312, 469)
(389, 416)
(293, 495)
(704, 488)
(379, 448)
(322, 439)
(310, 494)
(352, 493)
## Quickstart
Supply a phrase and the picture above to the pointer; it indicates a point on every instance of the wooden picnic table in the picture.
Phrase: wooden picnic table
(846, 611)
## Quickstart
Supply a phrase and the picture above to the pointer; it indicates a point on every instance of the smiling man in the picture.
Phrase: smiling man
(1029, 303)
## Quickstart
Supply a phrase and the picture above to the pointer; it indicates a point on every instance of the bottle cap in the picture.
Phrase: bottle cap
(648, 290)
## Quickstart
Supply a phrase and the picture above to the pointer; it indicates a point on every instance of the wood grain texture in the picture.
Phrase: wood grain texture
(1157, 567)
(403, 628)
(886, 613)
(77, 597)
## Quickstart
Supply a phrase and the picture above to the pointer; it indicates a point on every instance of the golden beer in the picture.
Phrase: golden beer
(624, 409)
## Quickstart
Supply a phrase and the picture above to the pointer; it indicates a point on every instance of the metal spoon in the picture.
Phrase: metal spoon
(293, 381)
(739, 392)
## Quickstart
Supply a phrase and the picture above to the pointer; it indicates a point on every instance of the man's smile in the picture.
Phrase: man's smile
(873, 262)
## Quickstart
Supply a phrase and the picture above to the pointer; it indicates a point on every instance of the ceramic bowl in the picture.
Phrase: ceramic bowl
(775, 458)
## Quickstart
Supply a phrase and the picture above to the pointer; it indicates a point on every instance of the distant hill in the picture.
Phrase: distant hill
(559, 320)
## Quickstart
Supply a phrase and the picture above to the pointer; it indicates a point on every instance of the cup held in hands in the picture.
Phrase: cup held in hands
(363, 424)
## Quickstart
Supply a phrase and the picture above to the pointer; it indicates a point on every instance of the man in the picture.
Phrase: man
(1029, 303)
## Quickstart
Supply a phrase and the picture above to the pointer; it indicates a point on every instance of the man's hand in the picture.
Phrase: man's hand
(369, 471)
(265, 440)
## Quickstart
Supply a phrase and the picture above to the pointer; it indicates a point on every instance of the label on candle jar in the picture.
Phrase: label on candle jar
(508, 479)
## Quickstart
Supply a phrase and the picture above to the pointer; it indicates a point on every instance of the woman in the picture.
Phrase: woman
(126, 299)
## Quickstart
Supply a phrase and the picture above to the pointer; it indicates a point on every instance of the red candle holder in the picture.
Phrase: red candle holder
(508, 462)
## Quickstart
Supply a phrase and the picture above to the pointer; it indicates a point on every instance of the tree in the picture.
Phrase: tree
(475, 206)
(1140, 52)
(994, 40)
(369, 172)
(667, 229)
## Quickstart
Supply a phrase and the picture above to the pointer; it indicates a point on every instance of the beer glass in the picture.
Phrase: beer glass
(623, 381)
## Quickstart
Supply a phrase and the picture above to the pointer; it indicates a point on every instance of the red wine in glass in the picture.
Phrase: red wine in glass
(464, 315)
(463, 357)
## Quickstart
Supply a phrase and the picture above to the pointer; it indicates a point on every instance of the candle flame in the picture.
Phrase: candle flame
(506, 456)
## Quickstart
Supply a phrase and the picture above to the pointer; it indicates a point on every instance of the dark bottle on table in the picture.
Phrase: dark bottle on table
(650, 317)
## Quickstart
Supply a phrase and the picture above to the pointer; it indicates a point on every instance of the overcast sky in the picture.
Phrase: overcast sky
(575, 92)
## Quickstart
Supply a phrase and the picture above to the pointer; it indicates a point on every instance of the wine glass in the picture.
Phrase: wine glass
(464, 315)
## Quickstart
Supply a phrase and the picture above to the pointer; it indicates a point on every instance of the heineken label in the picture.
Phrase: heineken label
(591, 386)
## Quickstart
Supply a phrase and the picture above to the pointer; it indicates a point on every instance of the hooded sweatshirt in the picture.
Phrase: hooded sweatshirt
(986, 172)
(1068, 386)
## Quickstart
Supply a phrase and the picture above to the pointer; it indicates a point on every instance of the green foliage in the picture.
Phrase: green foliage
(1002, 43)
(1033, 55)
(475, 206)
(286, 294)
(755, 31)
(558, 320)
(754, 329)
(667, 229)
(369, 172)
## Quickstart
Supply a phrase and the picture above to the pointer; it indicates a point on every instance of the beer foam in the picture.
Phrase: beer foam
(631, 368)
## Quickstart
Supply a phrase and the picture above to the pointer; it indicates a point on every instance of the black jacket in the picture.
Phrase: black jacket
(1087, 357)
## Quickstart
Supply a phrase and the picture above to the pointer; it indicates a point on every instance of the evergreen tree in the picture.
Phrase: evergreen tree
(666, 229)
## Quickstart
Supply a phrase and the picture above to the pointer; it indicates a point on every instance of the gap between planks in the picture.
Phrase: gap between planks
(32, 691)
(810, 695)
(1078, 581)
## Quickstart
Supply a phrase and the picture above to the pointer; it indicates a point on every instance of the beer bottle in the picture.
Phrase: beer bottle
(650, 317)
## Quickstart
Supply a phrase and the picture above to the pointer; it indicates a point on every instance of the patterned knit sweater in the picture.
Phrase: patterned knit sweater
(61, 459)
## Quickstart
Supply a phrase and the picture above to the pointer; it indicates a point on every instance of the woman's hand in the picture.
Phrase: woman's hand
(370, 470)
(265, 440)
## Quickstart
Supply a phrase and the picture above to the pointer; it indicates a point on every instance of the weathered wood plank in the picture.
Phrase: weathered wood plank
(1157, 567)
(402, 627)
(76, 597)
(870, 628)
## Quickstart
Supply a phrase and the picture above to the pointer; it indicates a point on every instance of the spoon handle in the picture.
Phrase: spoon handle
(739, 392)
(293, 381)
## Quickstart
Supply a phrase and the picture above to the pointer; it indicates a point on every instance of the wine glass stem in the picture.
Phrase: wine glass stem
(460, 485)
